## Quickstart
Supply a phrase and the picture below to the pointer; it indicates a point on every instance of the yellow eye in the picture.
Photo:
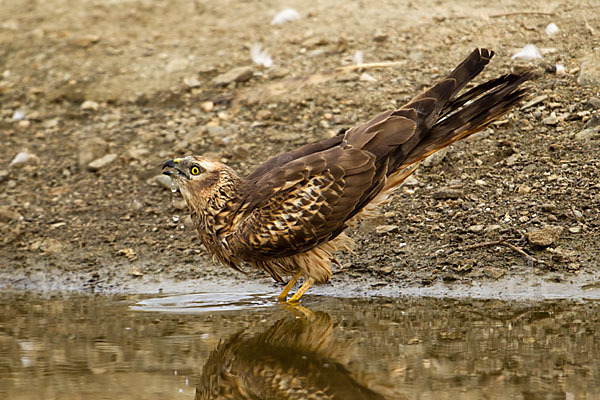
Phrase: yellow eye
(195, 170)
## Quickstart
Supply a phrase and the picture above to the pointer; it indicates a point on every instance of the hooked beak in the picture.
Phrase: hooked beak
(175, 165)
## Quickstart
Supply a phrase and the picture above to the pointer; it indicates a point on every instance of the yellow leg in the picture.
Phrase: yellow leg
(283, 295)
(305, 286)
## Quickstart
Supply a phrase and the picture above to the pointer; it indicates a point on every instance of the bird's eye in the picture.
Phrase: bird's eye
(195, 170)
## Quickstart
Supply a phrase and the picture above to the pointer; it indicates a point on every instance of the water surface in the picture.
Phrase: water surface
(134, 347)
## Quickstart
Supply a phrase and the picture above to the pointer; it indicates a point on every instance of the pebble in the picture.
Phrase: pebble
(191, 82)
(588, 133)
(90, 150)
(493, 228)
(575, 229)
(90, 105)
(447, 193)
(594, 102)
(436, 158)
(18, 115)
(177, 64)
(239, 74)
(207, 106)
(493, 272)
(367, 77)
(164, 181)
(24, 158)
(550, 120)
(546, 236)
(188, 223)
(263, 115)
(50, 245)
(3, 175)
(102, 162)
(476, 228)
(382, 229)
(589, 71)
(548, 207)
(135, 271)
(535, 101)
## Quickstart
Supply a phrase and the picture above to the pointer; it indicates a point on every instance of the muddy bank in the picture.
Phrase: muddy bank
(94, 99)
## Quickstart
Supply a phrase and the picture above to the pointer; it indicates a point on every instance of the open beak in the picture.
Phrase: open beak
(175, 168)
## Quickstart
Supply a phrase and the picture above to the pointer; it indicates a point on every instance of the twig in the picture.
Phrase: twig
(505, 244)
(588, 27)
(521, 13)
(370, 65)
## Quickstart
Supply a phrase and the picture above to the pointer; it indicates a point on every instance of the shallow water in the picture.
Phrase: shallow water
(135, 347)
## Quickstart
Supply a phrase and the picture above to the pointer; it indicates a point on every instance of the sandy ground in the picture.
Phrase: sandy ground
(97, 94)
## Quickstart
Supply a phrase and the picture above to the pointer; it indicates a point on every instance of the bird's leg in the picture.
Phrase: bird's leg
(283, 295)
(305, 286)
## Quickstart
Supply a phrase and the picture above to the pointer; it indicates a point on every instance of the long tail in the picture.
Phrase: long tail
(435, 119)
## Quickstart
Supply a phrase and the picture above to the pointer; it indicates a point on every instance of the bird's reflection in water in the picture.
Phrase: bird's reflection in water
(294, 359)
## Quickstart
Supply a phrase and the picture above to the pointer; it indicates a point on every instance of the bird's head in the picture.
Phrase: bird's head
(196, 177)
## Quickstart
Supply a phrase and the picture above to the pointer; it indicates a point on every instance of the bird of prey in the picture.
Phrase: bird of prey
(293, 359)
(288, 217)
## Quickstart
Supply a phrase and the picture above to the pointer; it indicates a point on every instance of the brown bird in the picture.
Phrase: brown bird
(288, 216)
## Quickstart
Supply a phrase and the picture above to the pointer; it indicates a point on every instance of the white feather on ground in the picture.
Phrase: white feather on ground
(260, 56)
(285, 15)
(529, 52)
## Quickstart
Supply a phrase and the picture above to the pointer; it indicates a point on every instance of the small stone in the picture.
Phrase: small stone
(548, 207)
(103, 162)
(89, 105)
(239, 74)
(191, 82)
(447, 193)
(90, 150)
(263, 115)
(179, 204)
(588, 133)
(207, 106)
(86, 40)
(24, 158)
(535, 101)
(51, 246)
(495, 273)
(594, 102)
(493, 228)
(188, 223)
(550, 120)
(388, 269)
(367, 77)
(546, 236)
(476, 228)
(589, 71)
(18, 115)
(575, 229)
(523, 189)
(382, 229)
(3, 175)
(164, 181)
(380, 37)
(436, 158)
(129, 253)
(135, 271)
(410, 181)
(24, 124)
(177, 64)
(512, 160)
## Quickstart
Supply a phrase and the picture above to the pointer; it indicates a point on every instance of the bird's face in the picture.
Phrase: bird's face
(194, 176)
